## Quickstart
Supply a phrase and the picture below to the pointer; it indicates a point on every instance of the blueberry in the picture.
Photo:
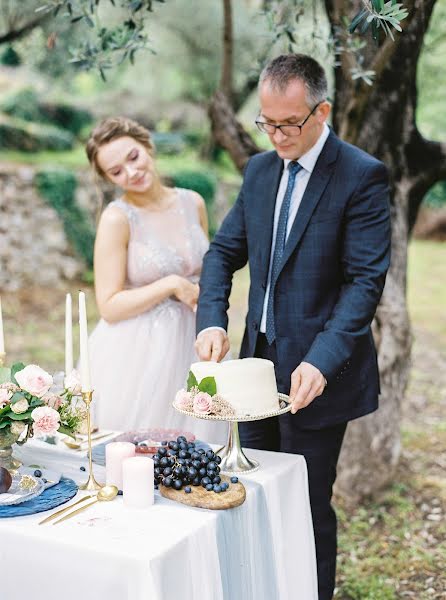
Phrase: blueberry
(164, 443)
(181, 461)
(181, 439)
(156, 486)
(164, 462)
(234, 479)
(167, 471)
(119, 492)
(205, 481)
(216, 479)
(37, 473)
(184, 454)
(177, 484)
(209, 487)
(156, 460)
(224, 485)
(204, 461)
(196, 464)
(82, 468)
(202, 472)
(192, 472)
(217, 489)
(217, 459)
(44, 480)
(196, 481)
(162, 451)
(201, 451)
(167, 481)
(210, 454)
(188, 489)
(212, 466)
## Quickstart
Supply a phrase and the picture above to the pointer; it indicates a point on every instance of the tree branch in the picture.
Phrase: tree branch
(228, 132)
(15, 34)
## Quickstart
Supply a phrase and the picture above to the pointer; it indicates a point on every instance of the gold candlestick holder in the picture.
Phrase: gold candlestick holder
(2, 359)
(91, 483)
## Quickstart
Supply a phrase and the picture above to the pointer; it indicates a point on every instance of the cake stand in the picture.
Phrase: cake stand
(233, 459)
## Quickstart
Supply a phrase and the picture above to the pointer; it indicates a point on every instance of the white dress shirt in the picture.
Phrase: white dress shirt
(308, 162)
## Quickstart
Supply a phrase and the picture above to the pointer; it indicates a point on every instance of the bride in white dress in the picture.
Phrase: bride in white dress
(148, 254)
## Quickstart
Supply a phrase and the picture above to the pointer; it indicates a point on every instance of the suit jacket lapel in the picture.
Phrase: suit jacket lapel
(315, 188)
(268, 186)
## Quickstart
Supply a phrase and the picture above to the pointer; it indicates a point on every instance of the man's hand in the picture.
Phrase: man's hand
(212, 344)
(307, 383)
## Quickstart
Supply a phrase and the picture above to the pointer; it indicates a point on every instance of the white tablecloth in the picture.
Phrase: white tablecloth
(262, 550)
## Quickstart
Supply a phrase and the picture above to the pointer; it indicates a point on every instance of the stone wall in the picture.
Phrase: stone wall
(33, 246)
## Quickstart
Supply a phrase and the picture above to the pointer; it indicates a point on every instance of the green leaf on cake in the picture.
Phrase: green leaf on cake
(208, 385)
(191, 381)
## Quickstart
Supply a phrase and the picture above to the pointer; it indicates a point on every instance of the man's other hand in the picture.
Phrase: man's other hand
(307, 383)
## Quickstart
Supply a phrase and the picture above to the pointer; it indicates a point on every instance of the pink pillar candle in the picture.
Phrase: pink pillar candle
(115, 453)
(137, 475)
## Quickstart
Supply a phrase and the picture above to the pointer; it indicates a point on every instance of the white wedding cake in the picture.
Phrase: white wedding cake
(247, 384)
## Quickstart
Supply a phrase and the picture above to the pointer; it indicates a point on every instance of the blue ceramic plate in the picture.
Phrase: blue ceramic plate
(50, 498)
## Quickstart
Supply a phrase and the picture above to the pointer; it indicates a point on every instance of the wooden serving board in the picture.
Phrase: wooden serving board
(201, 498)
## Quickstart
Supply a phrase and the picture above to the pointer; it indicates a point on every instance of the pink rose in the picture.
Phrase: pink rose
(202, 403)
(53, 401)
(46, 420)
(73, 383)
(182, 399)
(34, 380)
(5, 397)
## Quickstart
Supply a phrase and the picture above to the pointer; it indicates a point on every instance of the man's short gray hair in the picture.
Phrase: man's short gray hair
(289, 67)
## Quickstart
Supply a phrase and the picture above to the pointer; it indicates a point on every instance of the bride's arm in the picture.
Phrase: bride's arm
(110, 265)
(202, 213)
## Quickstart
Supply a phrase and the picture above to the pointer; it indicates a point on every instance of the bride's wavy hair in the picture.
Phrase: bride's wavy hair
(111, 129)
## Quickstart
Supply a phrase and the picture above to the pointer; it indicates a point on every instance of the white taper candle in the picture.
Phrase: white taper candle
(2, 339)
(83, 345)
(68, 335)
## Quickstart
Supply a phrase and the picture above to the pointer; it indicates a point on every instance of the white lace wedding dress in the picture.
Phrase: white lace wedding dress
(139, 364)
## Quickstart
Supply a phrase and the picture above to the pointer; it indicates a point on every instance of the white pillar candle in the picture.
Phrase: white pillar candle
(137, 482)
(2, 339)
(83, 344)
(115, 453)
(68, 335)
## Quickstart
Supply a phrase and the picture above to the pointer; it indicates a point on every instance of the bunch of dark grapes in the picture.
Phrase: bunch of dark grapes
(178, 464)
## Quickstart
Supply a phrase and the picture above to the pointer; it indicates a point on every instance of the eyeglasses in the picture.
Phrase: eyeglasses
(287, 130)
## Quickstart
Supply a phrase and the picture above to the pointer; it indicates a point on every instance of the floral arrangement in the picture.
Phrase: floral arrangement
(28, 402)
(202, 398)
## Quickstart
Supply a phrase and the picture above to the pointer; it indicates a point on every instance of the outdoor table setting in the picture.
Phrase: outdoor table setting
(95, 515)
(263, 549)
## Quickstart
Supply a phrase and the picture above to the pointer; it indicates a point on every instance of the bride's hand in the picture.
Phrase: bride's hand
(186, 292)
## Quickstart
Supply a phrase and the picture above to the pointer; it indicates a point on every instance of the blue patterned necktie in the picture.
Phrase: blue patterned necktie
(294, 168)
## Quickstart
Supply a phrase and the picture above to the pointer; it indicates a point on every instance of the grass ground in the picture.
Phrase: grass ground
(391, 547)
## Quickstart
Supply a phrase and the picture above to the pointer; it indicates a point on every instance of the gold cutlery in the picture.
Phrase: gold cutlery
(105, 494)
(65, 509)
(74, 445)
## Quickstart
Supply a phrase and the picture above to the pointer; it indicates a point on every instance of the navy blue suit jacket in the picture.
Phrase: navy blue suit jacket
(332, 274)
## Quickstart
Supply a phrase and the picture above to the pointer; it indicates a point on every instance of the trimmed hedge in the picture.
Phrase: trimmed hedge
(10, 58)
(58, 189)
(26, 105)
(203, 183)
(17, 134)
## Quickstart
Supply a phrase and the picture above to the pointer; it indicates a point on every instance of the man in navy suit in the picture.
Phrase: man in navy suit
(312, 221)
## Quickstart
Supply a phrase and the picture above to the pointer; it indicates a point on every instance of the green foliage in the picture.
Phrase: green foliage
(436, 196)
(18, 134)
(203, 183)
(379, 15)
(26, 105)
(10, 57)
(58, 189)
(372, 587)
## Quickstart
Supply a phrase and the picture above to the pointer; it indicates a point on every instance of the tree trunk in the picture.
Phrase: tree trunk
(381, 120)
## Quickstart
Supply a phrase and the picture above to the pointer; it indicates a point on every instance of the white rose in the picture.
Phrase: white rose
(5, 397)
(34, 380)
(73, 383)
(17, 427)
(20, 406)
